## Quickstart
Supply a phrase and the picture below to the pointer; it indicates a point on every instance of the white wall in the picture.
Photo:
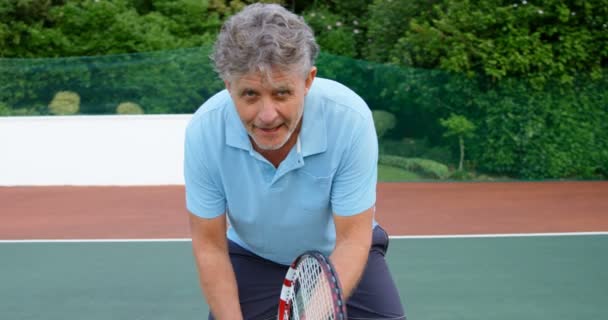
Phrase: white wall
(92, 150)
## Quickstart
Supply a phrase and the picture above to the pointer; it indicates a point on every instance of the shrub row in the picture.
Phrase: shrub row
(424, 167)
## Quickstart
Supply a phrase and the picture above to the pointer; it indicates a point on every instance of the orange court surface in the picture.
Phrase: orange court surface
(404, 209)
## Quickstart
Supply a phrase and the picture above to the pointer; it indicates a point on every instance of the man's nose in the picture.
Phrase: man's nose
(268, 112)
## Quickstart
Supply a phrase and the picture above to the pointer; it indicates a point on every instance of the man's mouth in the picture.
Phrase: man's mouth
(270, 130)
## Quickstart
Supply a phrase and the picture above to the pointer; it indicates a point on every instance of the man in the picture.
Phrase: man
(288, 162)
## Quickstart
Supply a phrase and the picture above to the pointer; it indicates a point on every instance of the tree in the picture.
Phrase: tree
(460, 127)
(383, 121)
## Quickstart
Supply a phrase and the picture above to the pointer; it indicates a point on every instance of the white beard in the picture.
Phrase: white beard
(277, 146)
(267, 147)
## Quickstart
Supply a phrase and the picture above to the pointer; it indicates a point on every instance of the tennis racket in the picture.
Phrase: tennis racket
(311, 290)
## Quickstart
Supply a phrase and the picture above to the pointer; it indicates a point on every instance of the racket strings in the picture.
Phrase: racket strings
(313, 299)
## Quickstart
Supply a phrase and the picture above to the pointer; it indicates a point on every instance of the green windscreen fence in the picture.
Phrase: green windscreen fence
(430, 122)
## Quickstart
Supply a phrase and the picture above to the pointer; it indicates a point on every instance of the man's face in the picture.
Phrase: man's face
(270, 109)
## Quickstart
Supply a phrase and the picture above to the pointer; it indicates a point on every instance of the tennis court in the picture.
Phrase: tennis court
(459, 251)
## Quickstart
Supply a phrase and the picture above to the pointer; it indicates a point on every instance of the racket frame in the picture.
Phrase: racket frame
(287, 292)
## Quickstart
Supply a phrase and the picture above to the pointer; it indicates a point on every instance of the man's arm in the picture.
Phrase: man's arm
(353, 241)
(216, 275)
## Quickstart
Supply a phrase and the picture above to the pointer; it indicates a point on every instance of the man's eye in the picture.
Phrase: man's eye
(249, 93)
(283, 93)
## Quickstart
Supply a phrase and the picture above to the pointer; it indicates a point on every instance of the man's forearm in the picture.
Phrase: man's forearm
(218, 283)
(349, 260)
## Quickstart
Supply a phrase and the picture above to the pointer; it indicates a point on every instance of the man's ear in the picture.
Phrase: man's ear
(310, 77)
(227, 84)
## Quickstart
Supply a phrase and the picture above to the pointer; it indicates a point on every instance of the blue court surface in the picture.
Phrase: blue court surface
(474, 277)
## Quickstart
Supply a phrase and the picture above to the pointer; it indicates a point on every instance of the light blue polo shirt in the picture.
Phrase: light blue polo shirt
(278, 213)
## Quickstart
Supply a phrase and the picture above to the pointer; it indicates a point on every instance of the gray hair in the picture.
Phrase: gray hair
(262, 37)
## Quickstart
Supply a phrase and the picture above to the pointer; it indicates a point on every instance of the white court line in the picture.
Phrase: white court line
(452, 236)
(503, 235)
(94, 240)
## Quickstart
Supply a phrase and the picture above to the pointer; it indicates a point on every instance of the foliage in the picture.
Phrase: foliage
(387, 21)
(334, 33)
(541, 40)
(5, 110)
(129, 108)
(89, 27)
(521, 131)
(457, 125)
(383, 121)
(391, 174)
(189, 20)
(163, 82)
(460, 127)
(424, 167)
(340, 26)
(226, 8)
(461, 175)
(351, 8)
(415, 148)
(65, 103)
(544, 134)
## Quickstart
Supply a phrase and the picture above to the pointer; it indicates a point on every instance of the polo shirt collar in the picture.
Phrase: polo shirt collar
(236, 135)
(313, 135)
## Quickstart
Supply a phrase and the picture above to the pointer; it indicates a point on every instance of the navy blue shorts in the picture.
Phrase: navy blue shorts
(259, 284)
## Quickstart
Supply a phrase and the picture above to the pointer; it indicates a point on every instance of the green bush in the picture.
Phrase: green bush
(415, 148)
(129, 108)
(5, 110)
(394, 174)
(65, 103)
(560, 133)
(383, 121)
(424, 167)
(461, 175)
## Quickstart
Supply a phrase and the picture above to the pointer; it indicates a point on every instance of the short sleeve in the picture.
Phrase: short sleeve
(354, 185)
(204, 196)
